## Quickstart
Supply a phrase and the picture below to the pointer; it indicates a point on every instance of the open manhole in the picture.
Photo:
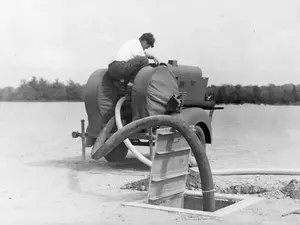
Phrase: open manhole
(191, 202)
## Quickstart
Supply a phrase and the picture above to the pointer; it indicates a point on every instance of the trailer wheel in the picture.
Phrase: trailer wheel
(118, 154)
(200, 134)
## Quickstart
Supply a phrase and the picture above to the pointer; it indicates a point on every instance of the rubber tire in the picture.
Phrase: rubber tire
(118, 154)
(200, 134)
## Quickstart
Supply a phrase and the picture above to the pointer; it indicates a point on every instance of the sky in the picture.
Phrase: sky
(243, 42)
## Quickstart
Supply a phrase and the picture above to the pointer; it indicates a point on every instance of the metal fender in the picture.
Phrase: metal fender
(197, 116)
(90, 92)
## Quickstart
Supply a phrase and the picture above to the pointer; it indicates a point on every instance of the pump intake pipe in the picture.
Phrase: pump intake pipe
(102, 147)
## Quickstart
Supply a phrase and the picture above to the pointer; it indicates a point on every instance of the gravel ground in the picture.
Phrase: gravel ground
(253, 185)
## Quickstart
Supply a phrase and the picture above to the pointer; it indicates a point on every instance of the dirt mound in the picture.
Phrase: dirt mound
(290, 190)
(194, 183)
(140, 185)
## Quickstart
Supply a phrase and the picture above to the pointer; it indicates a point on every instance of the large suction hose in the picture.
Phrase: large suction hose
(198, 150)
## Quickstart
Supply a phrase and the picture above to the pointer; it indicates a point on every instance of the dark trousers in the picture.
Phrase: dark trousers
(127, 70)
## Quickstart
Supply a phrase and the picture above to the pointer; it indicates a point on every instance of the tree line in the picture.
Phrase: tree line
(287, 94)
(43, 90)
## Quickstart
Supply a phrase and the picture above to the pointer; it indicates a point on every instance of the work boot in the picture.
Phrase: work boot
(90, 141)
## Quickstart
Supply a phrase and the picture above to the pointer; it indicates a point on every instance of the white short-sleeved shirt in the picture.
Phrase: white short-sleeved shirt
(129, 50)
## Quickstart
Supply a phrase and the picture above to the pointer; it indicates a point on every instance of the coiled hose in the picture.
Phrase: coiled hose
(127, 142)
(102, 147)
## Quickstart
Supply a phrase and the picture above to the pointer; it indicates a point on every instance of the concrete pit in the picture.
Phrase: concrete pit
(192, 204)
(229, 198)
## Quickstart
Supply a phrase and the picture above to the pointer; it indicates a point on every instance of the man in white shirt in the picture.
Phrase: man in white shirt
(130, 58)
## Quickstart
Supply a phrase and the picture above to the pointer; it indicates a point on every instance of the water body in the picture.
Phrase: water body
(243, 136)
(257, 135)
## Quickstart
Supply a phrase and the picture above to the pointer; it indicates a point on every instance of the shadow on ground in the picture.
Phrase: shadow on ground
(101, 166)
(106, 191)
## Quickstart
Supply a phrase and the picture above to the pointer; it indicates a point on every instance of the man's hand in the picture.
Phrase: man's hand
(149, 56)
(155, 60)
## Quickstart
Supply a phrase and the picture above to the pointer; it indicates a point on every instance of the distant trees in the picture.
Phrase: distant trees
(43, 90)
(286, 94)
